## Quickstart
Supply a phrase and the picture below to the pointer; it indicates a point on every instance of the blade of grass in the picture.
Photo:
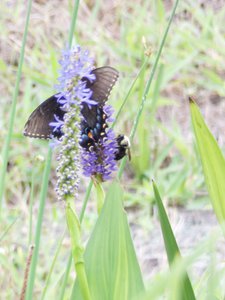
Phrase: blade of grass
(8, 229)
(65, 277)
(129, 91)
(44, 189)
(31, 208)
(148, 85)
(5, 152)
(156, 90)
(52, 266)
(212, 160)
(171, 246)
(73, 21)
(87, 195)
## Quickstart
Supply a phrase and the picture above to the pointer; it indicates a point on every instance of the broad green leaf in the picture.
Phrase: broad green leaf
(186, 291)
(110, 260)
(212, 162)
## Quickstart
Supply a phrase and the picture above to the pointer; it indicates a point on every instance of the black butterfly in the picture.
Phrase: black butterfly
(92, 127)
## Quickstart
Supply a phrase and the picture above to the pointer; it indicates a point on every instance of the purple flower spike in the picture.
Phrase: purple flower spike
(57, 124)
(91, 147)
(75, 65)
(72, 93)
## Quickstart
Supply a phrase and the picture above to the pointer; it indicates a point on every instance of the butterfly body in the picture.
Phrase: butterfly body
(90, 135)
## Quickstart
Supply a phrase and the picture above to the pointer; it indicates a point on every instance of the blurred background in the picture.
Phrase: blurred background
(117, 33)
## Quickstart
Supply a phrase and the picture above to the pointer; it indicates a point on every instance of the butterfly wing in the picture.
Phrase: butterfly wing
(106, 78)
(38, 126)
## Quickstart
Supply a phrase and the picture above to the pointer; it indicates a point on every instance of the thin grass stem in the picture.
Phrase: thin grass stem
(65, 278)
(52, 265)
(23, 292)
(147, 88)
(73, 22)
(8, 229)
(129, 91)
(5, 152)
(31, 209)
(87, 195)
(44, 189)
(149, 82)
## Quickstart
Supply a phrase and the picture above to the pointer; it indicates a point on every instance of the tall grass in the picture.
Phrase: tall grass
(7, 140)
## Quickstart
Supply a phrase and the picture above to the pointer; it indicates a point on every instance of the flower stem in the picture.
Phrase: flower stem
(77, 249)
(100, 194)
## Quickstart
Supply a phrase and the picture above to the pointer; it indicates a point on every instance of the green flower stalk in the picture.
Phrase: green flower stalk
(72, 93)
(77, 249)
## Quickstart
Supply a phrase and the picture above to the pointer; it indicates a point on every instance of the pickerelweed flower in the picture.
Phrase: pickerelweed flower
(72, 93)
(93, 147)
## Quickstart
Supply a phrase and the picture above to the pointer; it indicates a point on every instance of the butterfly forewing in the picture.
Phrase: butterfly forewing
(106, 78)
(38, 126)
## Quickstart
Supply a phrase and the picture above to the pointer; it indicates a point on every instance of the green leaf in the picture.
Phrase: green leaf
(212, 162)
(186, 291)
(110, 260)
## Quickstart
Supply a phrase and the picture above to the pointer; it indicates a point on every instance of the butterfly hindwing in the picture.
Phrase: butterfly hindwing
(38, 126)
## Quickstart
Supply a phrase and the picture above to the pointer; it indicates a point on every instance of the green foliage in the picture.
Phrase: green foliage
(185, 290)
(213, 162)
(110, 261)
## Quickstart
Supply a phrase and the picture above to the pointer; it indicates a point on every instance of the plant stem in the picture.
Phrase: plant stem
(77, 249)
(5, 152)
(69, 263)
(73, 22)
(148, 85)
(44, 189)
(147, 88)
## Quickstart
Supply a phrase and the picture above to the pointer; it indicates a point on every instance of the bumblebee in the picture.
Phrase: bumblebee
(123, 147)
